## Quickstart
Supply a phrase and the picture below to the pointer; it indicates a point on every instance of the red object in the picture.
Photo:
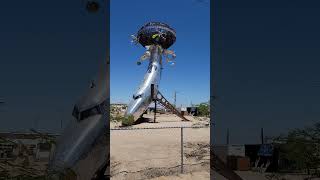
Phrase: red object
(243, 164)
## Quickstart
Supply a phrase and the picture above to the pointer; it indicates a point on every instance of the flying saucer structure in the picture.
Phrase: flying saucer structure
(156, 33)
(156, 37)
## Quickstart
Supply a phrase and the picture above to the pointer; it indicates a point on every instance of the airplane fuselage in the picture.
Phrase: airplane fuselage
(142, 98)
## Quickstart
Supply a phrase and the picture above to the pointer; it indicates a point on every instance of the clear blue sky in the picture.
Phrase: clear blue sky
(266, 67)
(49, 54)
(266, 61)
(190, 77)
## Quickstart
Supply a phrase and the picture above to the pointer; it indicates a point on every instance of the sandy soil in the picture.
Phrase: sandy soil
(249, 175)
(189, 176)
(156, 153)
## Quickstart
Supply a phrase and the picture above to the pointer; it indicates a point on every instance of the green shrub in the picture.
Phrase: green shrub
(128, 120)
(204, 109)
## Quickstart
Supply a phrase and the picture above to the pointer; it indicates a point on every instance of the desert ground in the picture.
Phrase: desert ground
(156, 153)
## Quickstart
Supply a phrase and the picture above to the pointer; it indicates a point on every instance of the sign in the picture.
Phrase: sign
(265, 150)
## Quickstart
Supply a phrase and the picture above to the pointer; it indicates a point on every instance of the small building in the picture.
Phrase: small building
(183, 111)
(193, 110)
(33, 144)
(225, 150)
(7, 150)
(241, 157)
(119, 106)
(263, 153)
(233, 155)
(43, 151)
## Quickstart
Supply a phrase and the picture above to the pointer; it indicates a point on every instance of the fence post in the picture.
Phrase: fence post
(181, 149)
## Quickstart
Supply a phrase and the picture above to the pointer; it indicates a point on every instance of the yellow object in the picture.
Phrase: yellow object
(155, 35)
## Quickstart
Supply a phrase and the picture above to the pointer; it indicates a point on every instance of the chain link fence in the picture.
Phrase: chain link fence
(145, 153)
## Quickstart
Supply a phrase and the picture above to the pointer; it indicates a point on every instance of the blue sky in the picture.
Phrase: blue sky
(49, 54)
(266, 67)
(190, 77)
(266, 61)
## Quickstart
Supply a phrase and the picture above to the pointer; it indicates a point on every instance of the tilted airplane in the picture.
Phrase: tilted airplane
(156, 38)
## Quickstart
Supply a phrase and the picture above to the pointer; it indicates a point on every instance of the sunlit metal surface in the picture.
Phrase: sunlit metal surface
(156, 37)
(89, 124)
(142, 98)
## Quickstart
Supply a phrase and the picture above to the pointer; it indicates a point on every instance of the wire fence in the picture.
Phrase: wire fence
(148, 152)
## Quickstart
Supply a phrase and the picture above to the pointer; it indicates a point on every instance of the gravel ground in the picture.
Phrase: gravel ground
(156, 153)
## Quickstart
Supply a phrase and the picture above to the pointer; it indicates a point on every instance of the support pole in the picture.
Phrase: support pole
(155, 110)
(228, 136)
(262, 136)
(155, 102)
(181, 149)
(175, 99)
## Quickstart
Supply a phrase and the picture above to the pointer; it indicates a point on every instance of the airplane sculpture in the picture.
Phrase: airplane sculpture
(86, 131)
(156, 37)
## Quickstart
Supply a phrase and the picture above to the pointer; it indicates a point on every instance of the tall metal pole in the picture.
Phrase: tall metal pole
(181, 149)
(175, 98)
(155, 110)
(155, 102)
(262, 136)
(2, 101)
(228, 137)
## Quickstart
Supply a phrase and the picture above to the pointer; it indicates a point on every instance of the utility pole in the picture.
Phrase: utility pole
(262, 136)
(228, 137)
(175, 98)
(2, 101)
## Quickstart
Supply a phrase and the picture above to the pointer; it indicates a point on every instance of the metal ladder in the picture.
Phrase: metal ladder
(163, 101)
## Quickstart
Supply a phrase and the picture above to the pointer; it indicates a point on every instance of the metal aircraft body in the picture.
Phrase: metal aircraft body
(142, 98)
(88, 125)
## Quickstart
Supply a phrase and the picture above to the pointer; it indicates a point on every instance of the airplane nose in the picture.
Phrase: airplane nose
(76, 142)
(133, 107)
